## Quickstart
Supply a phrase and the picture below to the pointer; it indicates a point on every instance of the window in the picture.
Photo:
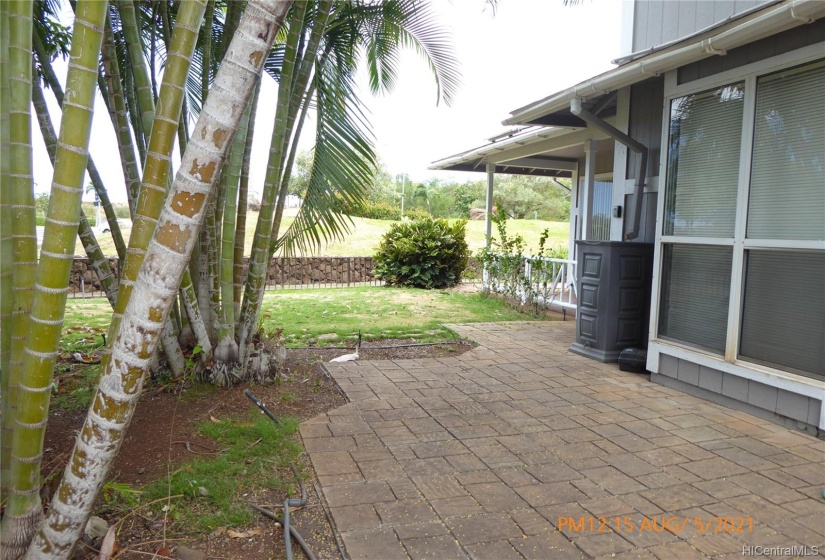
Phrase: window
(743, 246)
(703, 162)
(787, 199)
(602, 205)
(696, 288)
(783, 312)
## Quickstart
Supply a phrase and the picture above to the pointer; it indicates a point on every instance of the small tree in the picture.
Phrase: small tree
(426, 254)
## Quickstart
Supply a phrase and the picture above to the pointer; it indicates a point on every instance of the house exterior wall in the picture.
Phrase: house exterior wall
(656, 22)
(769, 391)
(780, 43)
(786, 407)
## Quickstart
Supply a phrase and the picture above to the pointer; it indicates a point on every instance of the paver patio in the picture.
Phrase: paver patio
(518, 447)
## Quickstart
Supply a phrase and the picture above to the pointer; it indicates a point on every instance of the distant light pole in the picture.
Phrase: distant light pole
(403, 182)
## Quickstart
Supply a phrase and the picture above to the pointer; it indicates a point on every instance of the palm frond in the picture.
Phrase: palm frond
(394, 24)
(343, 163)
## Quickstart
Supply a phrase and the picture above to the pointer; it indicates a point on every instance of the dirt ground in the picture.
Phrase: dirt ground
(163, 436)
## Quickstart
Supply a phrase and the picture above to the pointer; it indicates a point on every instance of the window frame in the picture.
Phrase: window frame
(731, 361)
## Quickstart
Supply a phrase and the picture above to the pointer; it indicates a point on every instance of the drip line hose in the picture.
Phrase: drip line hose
(288, 530)
(289, 502)
(446, 343)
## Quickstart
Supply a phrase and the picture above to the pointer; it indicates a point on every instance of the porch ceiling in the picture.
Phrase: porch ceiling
(542, 152)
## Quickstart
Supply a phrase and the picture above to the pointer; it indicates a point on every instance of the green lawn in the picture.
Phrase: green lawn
(331, 316)
(334, 316)
(365, 235)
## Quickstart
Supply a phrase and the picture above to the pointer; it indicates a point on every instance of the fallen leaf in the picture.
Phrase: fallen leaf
(109, 545)
(163, 551)
(243, 534)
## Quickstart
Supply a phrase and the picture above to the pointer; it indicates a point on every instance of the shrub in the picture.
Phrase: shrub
(424, 253)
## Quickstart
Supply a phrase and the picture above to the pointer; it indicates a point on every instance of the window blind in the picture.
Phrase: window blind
(695, 294)
(703, 163)
(787, 199)
(783, 311)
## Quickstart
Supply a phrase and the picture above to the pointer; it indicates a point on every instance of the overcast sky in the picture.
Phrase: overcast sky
(528, 50)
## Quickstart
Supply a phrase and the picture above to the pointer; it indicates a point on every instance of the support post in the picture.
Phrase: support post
(491, 172)
(591, 147)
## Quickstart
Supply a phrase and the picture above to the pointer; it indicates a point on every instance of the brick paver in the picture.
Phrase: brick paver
(520, 449)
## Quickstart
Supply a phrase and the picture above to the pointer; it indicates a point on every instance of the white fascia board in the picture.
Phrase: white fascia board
(773, 20)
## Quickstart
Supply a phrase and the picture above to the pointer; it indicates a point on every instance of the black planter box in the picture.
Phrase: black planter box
(614, 279)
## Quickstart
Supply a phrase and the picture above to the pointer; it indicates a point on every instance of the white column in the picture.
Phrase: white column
(491, 172)
(574, 215)
(591, 147)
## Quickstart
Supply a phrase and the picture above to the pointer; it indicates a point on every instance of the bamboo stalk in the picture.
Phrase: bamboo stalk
(158, 281)
(52, 278)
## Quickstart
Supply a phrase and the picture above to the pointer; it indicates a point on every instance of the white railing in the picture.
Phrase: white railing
(539, 280)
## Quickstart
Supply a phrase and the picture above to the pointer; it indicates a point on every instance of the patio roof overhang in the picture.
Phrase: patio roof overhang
(550, 135)
(539, 151)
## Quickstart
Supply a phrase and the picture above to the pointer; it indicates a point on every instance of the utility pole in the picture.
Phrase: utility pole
(403, 182)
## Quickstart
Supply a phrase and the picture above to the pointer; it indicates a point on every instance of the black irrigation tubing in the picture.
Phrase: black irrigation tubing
(288, 530)
(289, 502)
(447, 343)
(329, 520)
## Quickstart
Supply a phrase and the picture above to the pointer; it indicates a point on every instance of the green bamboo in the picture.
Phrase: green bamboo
(120, 121)
(91, 168)
(99, 262)
(24, 240)
(6, 266)
(226, 353)
(52, 278)
(157, 169)
(157, 285)
(133, 113)
(253, 288)
(243, 201)
(294, 80)
(139, 69)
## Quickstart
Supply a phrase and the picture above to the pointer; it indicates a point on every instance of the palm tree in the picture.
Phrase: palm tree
(314, 63)
(31, 396)
(344, 159)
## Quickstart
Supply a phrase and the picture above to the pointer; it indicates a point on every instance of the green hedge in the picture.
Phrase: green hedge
(424, 253)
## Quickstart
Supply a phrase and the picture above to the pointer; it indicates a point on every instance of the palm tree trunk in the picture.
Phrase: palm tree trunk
(139, 70)
(294, 85)
(6, 248)
(157, 169)
(158, 281)
(226, 353)
(243, 206)
(23, 509)
(39, 101)
(24, 239)
(120, 121)
(253, 289)
(99, 262)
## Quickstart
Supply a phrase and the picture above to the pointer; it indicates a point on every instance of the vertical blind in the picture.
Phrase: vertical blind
(695, 294)
(602, 204)
(703, 163)
(783, 312)
(787, 199)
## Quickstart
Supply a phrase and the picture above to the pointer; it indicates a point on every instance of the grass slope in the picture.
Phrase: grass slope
(365, 235)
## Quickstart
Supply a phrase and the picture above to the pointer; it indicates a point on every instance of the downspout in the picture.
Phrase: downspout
(591, 119)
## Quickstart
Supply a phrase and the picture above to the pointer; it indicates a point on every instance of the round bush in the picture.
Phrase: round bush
(425, 253)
